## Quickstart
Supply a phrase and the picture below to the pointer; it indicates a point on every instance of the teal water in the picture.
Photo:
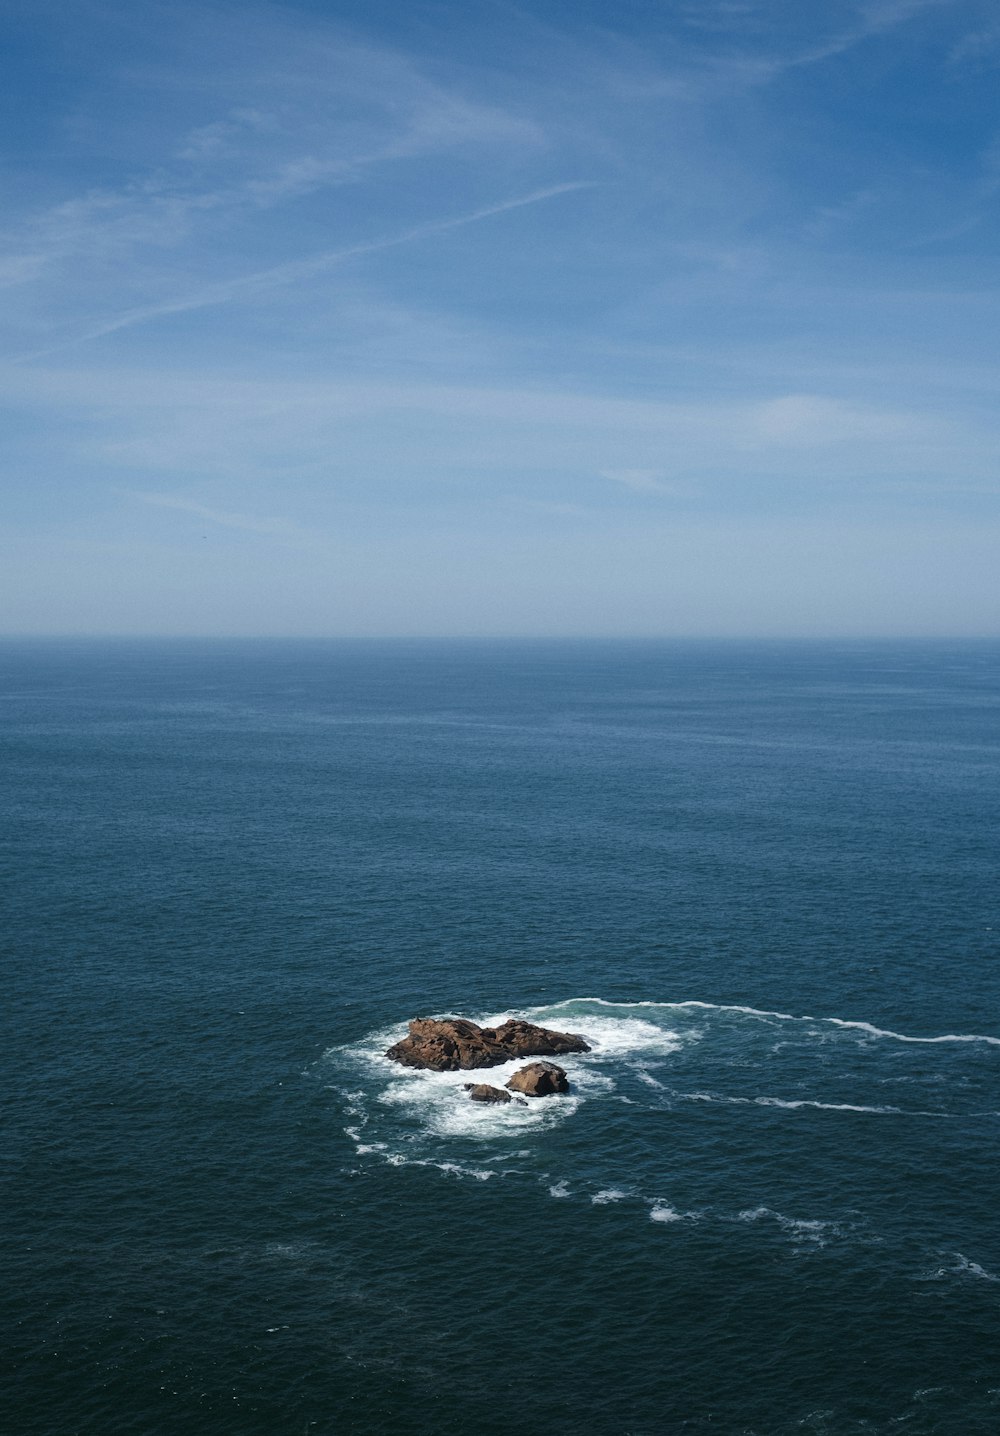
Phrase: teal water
(761, 878)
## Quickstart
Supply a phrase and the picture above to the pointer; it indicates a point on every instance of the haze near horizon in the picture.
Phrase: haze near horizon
(541, 319)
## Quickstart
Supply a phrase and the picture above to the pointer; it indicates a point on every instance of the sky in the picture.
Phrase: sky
(653, 317)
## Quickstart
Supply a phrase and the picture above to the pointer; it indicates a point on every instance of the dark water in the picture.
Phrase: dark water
(233, 870)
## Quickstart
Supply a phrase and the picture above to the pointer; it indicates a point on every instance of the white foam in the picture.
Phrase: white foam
(799, 1229)
(963, 1266)
(834, 1107)
(610, 1037)
(451, 1169)
(902, 1037)
(793, 1104)
(439, 1102)
(690, 1005)
(589, 1082)
(454, 1169)
(974, 1269)
(404, 1116)
(664, 1212)
(442, 1109)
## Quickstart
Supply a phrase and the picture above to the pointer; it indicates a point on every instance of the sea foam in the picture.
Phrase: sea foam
(963, 1266)
(797, 1229)
(404, 1117)
(692, 1004)
(663, 1212)
(790, 1104)
(438, 1105)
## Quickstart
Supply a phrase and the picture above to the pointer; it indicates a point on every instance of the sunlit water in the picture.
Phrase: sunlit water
(760, 879)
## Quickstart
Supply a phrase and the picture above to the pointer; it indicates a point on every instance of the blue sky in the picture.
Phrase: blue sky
(486, 318)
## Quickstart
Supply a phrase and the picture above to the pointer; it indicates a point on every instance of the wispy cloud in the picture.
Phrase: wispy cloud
(292, 142)
(586, 276)
(295, 271)
(814, 420)
(977, 47)
(739, 46)
(640, 481)
(875, 18)
(267, 527)
(340, 441)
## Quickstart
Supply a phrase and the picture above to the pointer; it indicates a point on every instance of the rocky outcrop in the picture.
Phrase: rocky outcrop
(483, 1092)
(539, 1079)
(453, 1044)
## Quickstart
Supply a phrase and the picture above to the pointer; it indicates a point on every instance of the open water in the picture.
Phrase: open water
(760, 878)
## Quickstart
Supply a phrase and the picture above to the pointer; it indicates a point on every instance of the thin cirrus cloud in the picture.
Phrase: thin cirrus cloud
(275, 528)
(113, 237)
(589, 286)
(246, 286)
(640, 481)
(358, 437)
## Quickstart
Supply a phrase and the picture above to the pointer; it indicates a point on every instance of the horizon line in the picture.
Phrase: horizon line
(722, 637)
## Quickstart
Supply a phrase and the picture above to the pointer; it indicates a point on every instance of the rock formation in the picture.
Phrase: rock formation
(483, 1092)
(453, 1044)
(539, 1079)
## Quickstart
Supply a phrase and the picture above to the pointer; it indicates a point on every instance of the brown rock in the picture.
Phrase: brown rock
(523, 1039)
(483, 1092)
(539, 1079)
(453, 1044)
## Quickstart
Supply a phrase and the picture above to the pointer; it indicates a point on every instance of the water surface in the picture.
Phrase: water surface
(761, 878)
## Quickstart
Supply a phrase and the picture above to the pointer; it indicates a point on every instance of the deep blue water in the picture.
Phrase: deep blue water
(233, 870)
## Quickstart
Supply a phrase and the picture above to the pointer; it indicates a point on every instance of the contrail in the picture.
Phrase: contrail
(297, 269)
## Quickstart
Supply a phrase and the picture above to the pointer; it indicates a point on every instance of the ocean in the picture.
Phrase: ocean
(759, 878)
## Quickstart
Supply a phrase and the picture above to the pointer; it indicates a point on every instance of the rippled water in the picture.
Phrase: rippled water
(760, 879)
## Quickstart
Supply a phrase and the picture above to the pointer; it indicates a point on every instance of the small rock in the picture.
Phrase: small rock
(539, 1079)
(483, 1092)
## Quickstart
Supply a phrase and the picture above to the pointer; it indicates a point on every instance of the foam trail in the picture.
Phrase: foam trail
(799, 1229)
(902, 1037)
(451, 1169)
(867, 1027)
(791, 1105)
(964, 1267)
(835, 1107)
